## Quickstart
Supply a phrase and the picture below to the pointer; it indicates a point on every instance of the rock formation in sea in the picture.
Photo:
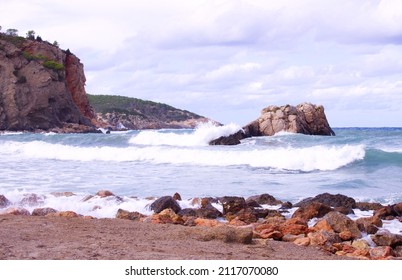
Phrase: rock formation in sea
(305, 118)
(42, 88)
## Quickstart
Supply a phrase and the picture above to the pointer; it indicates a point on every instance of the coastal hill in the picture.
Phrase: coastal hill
(42, 87)
(120, 112)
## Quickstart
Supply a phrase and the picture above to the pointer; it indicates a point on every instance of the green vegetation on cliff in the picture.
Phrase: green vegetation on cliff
(137, 107)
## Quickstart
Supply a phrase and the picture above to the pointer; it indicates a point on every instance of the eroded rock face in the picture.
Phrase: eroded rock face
(41, 87)
(305, 118)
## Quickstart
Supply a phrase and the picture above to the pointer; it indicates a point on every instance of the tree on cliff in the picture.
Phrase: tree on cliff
(31, 35)
(12, 32)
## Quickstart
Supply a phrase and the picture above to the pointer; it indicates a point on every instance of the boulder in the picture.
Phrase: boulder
(4, 202)
(386, 213)
(31, 200)
(367, 206)
(264, 199)
(245, 215)
(398, 209)
(232, 204)
(104, 193)
(369, 225)
(43, 211)
(323, 238)
(340, 222)
(165, 202)
(303, 241)
(227, 234)
(312, 210)
(294, 226)
(381, 252)
(332, 200)
(384, 237)
(18, 211)
(167, 216)
(304, 118)
(127, 215)
(64, 214)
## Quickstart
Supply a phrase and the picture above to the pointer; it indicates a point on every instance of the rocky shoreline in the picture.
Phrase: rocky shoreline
(319, 222)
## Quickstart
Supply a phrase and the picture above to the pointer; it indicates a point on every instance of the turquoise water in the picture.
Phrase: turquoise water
(365, 163)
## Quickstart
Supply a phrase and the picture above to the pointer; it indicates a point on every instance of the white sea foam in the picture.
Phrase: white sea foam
(201, 136)
(303, 159)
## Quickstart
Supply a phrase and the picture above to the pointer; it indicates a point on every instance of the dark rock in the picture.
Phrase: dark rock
(384, 237)
(286, 205)
(43, 211)
(369, 224)
(265, 199)
(386, 213)
(233, 139)
(163, 203)
(245, 215)
(344, 210)
(252, 203)
(232, 204)
(312, 210)
(190, 212)
(398, 209)
(332, 200)
(367, 206)
(208, 212)
(340, 222)
(177, 197)
(4, 202)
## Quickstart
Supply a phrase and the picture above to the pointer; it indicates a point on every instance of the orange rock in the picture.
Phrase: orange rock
(304, 241)
(381, 252)
(237, 222)
(18, 211)
(322, 225)
(167, 216)
(294, 226)
(206, 222)
(104, 193)
(65, 214)
(346, 235)
(276, 235)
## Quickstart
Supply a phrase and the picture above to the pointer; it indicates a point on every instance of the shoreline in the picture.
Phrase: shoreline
(315, 228)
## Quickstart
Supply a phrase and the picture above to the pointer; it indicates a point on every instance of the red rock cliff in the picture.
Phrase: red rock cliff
(41, 88)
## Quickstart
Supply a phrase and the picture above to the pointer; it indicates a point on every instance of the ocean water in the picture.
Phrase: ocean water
(364, 163)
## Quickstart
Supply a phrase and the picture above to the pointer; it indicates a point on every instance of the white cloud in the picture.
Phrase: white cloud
(221, 57)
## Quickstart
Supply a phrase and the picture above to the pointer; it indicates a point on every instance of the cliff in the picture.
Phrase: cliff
(305, 118)
(120, 112)
(42, 88)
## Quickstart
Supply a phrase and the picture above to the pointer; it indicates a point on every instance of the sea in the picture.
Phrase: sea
(139, 166)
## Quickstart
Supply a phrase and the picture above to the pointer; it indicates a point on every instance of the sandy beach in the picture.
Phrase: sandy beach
(60, 238)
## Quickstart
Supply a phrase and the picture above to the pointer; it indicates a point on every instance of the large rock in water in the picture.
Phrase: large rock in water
(42, 88)
(305, 118)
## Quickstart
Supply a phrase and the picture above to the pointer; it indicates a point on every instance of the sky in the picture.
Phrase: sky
(228, 59)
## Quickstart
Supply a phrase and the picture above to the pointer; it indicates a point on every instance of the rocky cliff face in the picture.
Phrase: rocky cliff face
(305, 118)
(41, 88)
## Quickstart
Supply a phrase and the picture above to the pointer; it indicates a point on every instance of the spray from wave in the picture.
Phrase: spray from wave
(201, 136)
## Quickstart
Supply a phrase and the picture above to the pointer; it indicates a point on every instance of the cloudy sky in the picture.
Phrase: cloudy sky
(229, 59)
